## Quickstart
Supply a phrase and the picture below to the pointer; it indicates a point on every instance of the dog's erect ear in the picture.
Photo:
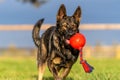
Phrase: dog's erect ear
(77, 14)
(61, 12)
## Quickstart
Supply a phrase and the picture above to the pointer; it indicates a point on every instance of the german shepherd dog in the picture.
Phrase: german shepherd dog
(53, 49)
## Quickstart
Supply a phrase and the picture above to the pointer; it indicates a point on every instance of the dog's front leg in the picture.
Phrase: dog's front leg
(66, 69)
(65, 72)
(53, 70)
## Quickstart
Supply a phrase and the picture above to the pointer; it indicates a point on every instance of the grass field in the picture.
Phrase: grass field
(25, 69)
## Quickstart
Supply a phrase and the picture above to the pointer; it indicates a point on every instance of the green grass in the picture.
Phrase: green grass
(26, 69)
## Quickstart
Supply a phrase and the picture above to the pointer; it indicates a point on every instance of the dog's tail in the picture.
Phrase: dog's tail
(35, 32)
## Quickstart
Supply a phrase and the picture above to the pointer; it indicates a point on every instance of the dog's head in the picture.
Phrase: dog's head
(68, 25)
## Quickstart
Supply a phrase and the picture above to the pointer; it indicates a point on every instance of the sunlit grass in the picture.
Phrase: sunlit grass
(26, 69)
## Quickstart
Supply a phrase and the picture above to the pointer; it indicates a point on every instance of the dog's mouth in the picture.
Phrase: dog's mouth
(67, 38)
(68, 35)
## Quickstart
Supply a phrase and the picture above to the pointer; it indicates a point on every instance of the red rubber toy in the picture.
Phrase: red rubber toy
(78, 41)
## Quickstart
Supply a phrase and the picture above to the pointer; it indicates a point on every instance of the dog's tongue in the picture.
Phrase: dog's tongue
(67, 41)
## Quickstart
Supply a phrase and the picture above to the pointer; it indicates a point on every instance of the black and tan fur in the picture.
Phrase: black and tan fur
(53, 50)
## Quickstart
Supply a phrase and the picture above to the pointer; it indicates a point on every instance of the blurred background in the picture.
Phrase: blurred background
(99, 23)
